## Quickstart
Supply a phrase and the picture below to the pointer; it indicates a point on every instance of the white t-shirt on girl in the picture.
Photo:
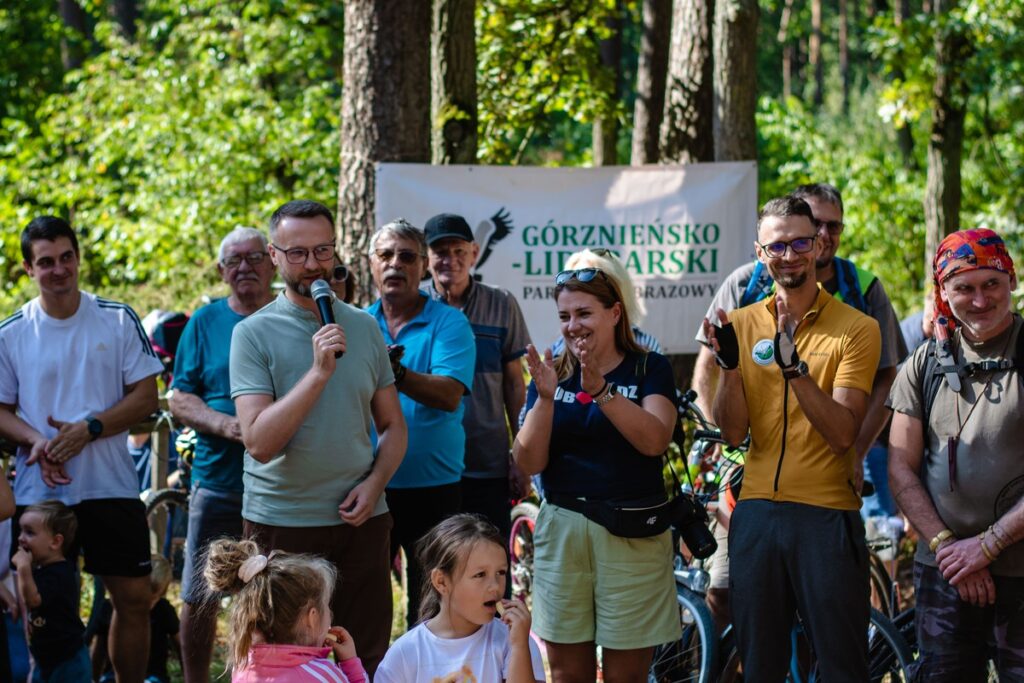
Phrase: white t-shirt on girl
(421, 657)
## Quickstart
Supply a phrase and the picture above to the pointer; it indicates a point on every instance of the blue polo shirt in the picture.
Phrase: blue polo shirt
(438, 341)
(201, 368)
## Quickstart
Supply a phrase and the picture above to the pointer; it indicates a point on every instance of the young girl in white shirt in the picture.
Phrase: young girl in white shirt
(468, 633)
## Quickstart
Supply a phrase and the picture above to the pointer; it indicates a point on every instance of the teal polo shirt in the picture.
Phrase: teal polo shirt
(438, 341)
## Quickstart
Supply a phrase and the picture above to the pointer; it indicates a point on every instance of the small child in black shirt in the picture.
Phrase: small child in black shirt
(49, 590)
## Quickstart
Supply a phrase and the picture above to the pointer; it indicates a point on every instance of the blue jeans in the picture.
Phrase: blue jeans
(876, 470)
(211, 514)
(75, 669)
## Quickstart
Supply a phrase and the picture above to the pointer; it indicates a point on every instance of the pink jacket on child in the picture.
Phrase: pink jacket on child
(297, 664)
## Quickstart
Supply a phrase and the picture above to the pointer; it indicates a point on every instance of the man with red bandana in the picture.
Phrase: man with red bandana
(956, 469)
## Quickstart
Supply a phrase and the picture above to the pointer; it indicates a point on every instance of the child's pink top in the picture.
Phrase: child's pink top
(297, 664)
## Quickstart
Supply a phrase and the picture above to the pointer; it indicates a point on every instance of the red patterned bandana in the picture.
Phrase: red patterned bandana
(964, 251)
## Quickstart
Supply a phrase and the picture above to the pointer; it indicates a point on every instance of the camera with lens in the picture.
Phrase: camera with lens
(691, 521)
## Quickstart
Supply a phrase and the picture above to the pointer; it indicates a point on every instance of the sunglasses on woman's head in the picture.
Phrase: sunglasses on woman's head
(581, 274)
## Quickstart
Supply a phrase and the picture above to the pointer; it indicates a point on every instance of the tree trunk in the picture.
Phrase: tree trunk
(735, 80)
(945, 145)
(76, 32)
(606, 127)
(844, 54)
(385, 112)
(453, 82)
(687, 130)
(904, 135)
(814, 54)
(788, 50)
(652, 70)
(125, 13)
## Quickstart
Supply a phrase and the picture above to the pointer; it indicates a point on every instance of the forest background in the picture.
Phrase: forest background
(156, 126)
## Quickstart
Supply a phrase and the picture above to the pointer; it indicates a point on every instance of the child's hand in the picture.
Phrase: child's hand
(340, 641)
(22, 557)
(515, 614)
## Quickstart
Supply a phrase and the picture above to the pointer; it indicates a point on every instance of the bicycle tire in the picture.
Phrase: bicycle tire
(694, 657)
(167, 517)
(520, 551)
(881, 585)
(889, 657)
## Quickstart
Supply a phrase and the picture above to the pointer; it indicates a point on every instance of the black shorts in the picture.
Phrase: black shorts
(112, 535)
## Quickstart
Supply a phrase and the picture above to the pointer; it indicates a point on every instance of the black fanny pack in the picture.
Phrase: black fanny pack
(638, 518)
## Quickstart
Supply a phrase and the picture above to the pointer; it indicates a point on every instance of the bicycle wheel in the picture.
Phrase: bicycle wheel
(881, 585)
(889, 658)
(694, 657)
(520, 551)
(167, 514)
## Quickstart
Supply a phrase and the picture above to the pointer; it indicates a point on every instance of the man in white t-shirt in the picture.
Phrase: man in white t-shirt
(76, 371)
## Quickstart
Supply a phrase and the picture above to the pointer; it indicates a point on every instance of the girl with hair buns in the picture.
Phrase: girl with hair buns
(598, 419)
(280, 616)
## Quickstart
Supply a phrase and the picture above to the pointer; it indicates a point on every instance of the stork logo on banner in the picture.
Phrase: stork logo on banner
(489, 232)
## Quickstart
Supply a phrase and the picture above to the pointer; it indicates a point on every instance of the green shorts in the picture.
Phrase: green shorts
(592, 586)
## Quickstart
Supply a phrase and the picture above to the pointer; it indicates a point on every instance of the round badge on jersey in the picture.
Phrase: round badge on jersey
(764, 352)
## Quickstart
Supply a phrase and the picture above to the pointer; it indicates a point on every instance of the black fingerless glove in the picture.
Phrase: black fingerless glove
(728, 354)
(785, 351)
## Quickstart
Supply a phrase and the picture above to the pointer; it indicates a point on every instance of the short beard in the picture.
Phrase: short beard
(822, 263)
(792, 281)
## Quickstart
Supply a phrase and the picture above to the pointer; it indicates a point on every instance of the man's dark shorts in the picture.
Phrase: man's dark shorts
(112, 534)
(211, 515)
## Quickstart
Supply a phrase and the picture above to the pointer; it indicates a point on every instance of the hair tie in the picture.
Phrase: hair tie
(251, 567)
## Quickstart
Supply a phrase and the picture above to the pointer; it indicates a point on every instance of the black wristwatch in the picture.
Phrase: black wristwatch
(95, 428)
(798, 370)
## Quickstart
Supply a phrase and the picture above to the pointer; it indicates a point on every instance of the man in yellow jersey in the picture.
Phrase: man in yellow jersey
(797, 372)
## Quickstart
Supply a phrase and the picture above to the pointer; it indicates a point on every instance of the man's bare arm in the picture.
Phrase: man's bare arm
(705, 379)
(434, 391)
(906, 453)
(730, 408)
(513, 391)
(195, 413)
(837, 417)
(877, 414)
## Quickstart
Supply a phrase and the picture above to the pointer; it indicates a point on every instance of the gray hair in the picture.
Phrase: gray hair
(240, 234)
(405, 230)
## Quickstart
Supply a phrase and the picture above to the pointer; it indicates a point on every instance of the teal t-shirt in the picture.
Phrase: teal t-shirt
(332, 451)
(438, 341)
(201, 368)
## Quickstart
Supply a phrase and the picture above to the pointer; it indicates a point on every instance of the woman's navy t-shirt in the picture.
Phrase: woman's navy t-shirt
(588, 457)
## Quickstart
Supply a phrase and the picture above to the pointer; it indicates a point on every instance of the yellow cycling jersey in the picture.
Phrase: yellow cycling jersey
(788, 459)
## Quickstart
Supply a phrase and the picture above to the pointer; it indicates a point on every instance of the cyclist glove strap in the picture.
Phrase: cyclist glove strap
(785, 350)
(728, 354)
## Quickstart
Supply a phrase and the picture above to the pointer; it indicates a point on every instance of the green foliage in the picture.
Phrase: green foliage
(539, 70)
(216, 115)
(30, 65)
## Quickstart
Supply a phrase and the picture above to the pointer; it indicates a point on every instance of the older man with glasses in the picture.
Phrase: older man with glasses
(796, 375)
(202, 400)
(314, 481)
(433, 357)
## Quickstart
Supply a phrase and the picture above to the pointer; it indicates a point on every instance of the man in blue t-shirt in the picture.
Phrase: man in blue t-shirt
(433, 371)
(202, 400)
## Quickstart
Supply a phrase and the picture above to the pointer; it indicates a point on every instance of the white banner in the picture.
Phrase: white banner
(680, 230)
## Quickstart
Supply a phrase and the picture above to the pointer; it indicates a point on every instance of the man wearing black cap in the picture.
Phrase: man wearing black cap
(498, 387)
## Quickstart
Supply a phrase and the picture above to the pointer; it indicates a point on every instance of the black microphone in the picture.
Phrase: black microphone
(324, 298)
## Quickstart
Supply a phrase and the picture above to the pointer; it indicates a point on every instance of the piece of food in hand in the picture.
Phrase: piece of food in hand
(334, 634)
(500, 607)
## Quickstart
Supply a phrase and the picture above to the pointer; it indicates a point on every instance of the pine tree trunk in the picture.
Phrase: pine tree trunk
(788, 50)
(606, 127)
(125, 13)
(844, 54)
(945, 144)
(385, 112)
(453, 82)
(814, 54)
(735, 126)
(652, 69)
(76, 29)
(687, 129)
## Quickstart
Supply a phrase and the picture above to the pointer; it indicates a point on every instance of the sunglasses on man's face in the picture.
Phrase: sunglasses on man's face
(801, 245)
(582, 274)
(404, 256)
